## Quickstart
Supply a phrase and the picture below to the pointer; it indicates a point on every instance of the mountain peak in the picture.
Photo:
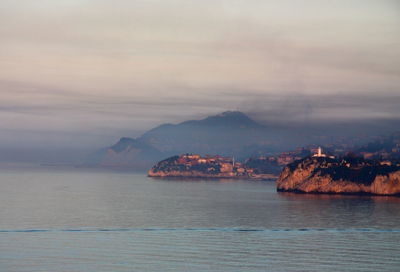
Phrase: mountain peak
(231, 118)
(232, 114)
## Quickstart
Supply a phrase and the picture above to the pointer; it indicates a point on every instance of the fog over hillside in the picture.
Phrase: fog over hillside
(327, 119)
(76, 76)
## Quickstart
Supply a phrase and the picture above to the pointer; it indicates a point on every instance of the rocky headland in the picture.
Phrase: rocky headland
(347, 175)
(196, 166)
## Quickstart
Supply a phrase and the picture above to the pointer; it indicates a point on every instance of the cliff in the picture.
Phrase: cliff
(345, 176)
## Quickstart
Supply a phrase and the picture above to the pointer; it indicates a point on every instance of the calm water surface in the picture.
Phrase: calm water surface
(81, 220)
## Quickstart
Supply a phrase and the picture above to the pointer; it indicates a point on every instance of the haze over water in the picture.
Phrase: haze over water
(83, 220)
(77, 75)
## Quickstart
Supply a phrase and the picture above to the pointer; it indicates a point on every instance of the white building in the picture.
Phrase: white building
(319, 154)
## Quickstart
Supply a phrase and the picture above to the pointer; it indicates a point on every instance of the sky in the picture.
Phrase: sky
(82, 73)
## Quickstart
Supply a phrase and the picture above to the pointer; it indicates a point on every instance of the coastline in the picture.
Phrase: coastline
(296, 191)
(211, 177)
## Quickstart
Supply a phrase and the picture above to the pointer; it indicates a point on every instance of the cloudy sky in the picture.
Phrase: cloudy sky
(90, 71)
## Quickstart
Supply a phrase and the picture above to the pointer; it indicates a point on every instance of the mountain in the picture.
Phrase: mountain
(230, 133)
(127, 152)
(227, 133)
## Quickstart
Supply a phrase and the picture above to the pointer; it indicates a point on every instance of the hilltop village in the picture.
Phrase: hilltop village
(261, 167)
(316, 173)
(189, 165)
(370, 169)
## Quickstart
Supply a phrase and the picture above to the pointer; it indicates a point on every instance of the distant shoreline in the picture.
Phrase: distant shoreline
(211, 178)
(294, 191)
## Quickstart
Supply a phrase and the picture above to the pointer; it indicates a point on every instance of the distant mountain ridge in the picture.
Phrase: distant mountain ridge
(223, 133)
(231, 133)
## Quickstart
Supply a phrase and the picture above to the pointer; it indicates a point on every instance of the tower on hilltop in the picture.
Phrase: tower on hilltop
(319, 153)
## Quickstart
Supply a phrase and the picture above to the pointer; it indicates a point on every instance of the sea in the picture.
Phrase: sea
(71, 219)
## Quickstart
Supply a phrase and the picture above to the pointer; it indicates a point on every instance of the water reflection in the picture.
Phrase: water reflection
(344, 210)
(291, 195)
(129, 222)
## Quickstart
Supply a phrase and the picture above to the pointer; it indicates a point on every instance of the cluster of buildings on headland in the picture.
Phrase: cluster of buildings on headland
(285, 158)
(193, 165)
(190, 165)
(371, 169)
(263, 167)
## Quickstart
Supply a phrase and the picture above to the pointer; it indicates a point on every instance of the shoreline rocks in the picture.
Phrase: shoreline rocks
(331, 176)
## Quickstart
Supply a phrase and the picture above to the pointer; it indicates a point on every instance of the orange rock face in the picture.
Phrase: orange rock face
(312, 175)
